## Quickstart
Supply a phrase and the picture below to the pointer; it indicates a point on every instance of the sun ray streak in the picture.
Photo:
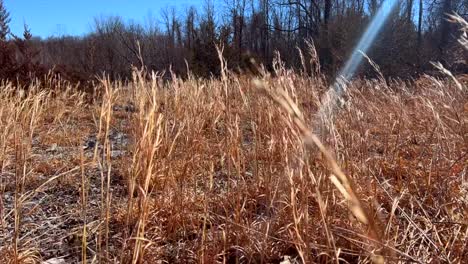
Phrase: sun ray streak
(333, 96)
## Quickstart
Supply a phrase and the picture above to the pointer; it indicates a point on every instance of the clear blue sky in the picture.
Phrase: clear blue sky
(74, 17)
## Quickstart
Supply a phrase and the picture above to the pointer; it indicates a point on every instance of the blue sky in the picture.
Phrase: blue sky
(74, 17)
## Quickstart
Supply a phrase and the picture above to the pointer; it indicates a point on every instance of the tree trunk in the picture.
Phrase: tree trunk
(409, 11)
(326, 14)
(445, 27)
(373, 6)
(327, 54)
(420, 19)
(266, 38)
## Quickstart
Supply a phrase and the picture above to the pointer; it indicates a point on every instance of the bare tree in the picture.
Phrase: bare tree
(190, 27)
(420, 19)
(409, 11)
(444, 26)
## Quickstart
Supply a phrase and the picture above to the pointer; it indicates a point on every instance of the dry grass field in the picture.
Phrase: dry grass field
(234, 170)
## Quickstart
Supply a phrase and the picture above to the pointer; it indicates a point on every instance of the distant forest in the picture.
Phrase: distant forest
(417, 32)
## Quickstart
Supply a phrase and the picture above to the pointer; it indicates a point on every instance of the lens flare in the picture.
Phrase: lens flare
(367, 39)
(333, 96)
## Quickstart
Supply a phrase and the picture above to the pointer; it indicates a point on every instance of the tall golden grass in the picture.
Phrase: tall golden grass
(235, 170)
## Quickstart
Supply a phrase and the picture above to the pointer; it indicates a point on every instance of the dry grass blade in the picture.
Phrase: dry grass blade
(464, 28)
(441, 68)
(338, 178)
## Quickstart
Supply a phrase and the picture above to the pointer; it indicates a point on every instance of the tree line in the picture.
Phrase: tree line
(416, 33)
